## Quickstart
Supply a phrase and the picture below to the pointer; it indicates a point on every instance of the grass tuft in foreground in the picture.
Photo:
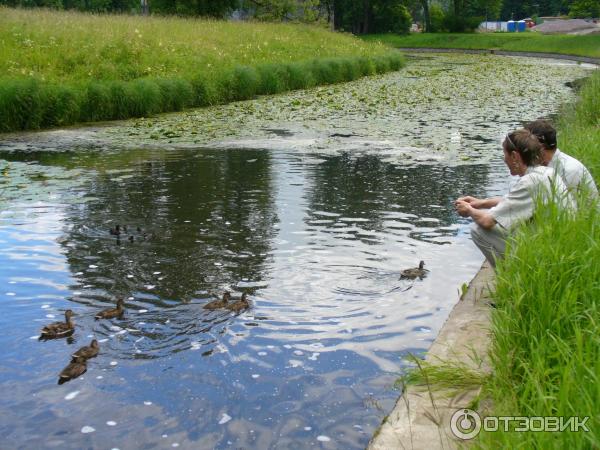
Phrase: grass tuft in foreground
(59, 68)
(452, 376)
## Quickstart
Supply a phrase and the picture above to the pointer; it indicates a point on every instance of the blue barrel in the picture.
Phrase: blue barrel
(510, 26)
(521, 26)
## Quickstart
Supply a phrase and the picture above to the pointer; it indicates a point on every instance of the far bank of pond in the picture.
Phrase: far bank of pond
(578, 45)
(311, 202)
(63, 67)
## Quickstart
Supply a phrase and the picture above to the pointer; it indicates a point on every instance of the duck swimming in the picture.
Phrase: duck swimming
(216, 304)
(76, 368)
(111, 313)
(87, 352)
(415, 272)
(240, 305)
(59, 329)
(116, 231)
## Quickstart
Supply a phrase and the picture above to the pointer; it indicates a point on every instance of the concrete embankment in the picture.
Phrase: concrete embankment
(421, 417)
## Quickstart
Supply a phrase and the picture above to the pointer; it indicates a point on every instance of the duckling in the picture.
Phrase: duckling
(59, 329)
(76, 368)
(415, 272)
(116, 231)
(216, 304)
(87, 352)
(111, 313)
(240, 305)
(144, 234)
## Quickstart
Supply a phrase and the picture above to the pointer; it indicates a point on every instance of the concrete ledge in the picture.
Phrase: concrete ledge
(584, 59)
(421, 418)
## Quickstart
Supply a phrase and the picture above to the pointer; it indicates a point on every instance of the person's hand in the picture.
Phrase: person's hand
(463, 208)
(467, 199)
(474, 202)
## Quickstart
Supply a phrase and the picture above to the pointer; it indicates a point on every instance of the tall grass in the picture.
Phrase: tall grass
(546, 328)
(579, 45)
(58, 68)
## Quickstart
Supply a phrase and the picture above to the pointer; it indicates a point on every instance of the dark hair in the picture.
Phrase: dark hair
(544, 131)
(526, 144)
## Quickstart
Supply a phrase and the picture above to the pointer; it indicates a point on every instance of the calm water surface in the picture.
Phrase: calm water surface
(316, 238)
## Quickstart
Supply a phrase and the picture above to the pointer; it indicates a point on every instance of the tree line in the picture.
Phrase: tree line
(356, 16)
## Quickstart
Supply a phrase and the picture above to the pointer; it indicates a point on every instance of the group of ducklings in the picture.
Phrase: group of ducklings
(78, 364)
(119, 230)
(225, 303)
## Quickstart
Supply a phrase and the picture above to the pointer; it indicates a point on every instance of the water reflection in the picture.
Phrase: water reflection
(364, 196)
(318, 243)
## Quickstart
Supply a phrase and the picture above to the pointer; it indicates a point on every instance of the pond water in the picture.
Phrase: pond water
(311, 202)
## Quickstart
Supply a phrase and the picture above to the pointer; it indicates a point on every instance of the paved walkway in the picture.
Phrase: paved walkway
(421, 418)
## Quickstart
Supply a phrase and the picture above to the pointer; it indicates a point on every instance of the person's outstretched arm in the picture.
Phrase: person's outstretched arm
(480, 203)
(482, 218)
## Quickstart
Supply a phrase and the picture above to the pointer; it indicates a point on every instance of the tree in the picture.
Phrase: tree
(518, 9)
(468, 14)
(426, 15)
(277, 10)
(391, 17)
(490, 9)
(372, 16)
(207, 8)
(584, 9)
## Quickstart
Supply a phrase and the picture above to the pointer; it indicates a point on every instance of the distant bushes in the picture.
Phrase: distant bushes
(391, 17)
(460, 24)
(446, 21)
(373, 16)
(28, 104)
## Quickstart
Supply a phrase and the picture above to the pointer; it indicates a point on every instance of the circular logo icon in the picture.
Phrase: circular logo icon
(465, 424)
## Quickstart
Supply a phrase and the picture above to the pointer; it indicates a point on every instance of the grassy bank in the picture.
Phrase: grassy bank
(59, 68)
(587, 45)
(546, 329)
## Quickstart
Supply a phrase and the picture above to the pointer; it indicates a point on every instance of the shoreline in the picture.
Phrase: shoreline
(580, 59)
(421, 417)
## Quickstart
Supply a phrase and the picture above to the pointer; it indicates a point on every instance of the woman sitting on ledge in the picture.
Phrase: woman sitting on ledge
(496, 217)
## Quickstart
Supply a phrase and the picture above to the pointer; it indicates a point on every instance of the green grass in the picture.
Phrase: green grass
(546, 345)
(59, 68)
(584, 45)
(454, 377)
